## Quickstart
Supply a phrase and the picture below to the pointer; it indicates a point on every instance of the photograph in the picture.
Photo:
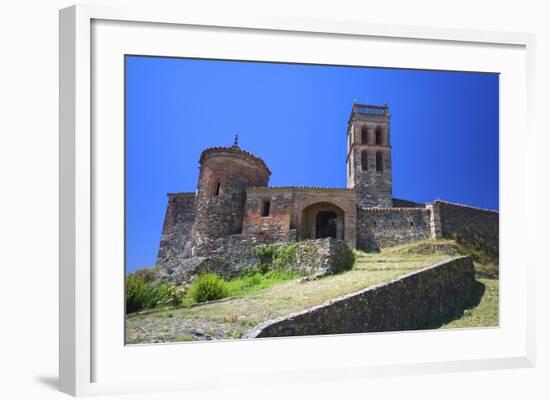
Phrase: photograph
(275, 199)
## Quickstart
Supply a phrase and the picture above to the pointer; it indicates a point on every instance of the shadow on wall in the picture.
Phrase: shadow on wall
(477, 293)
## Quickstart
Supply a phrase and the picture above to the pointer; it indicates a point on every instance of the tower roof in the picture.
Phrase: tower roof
(368, 112)
(234, 151)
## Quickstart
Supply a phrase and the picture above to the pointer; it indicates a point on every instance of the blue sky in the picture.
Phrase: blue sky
(444, 130)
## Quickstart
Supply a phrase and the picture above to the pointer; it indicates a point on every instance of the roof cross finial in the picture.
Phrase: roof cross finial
(236, 141)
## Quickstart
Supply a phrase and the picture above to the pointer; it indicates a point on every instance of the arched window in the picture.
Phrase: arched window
(364, 135)
(378, 136)
(364, 160)
(379, 161)
(217, 188)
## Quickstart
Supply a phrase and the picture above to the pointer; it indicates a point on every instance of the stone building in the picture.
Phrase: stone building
(234, 206)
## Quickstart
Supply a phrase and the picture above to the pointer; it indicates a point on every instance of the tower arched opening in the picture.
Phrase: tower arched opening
(364, 135)
(379, 139)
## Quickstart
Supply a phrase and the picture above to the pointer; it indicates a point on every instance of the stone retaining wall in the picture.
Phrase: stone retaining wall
(407, 303)
(236, 254)
(327, 255)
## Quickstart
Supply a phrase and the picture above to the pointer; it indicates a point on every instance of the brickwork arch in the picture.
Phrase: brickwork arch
(311, 216)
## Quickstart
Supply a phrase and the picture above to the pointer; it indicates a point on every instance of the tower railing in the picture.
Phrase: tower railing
(370, 110)
(366, 111)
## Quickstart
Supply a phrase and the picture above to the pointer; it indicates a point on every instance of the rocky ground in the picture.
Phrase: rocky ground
(151, 328)
(230, 319)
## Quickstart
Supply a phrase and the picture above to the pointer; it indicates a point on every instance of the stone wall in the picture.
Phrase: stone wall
(225, 176)
(327, 255)
(407, 303)
(295, 208)
(391, 226)
(406, 203)
(235, 254)
(373, 185)
(276, 225)
(226, 256)
(175, 242)
(469, 225)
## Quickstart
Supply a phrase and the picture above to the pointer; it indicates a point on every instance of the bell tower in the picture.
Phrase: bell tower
(369, 168)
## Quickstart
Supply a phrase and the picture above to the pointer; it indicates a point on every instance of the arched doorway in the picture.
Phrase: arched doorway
(325, 225)
(322, 220)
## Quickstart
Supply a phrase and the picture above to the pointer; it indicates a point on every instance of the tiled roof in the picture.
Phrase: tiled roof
(300, 188)
(181, 194)
(237, 152)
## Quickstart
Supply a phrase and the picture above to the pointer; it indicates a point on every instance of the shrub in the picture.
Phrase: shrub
(142, 294)
(266, 254)
(275, 257)
(139, 294)
(208, 287)
(168, 295)
(284, 256)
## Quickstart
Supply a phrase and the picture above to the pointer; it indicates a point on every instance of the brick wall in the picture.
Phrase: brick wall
(344, 199)
(276, 225)
(295, 208)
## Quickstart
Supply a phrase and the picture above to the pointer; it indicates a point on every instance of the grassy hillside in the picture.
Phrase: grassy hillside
(485, 312)
(249, 306)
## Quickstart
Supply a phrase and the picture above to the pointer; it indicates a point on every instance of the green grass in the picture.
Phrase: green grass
(258, 297)
(484, 312)
(207, 287)
(257, 281)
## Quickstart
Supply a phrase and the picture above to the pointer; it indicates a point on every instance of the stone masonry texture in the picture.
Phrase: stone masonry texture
(175, 243)
(407, 303)
(225, 175)
(237, 255)
(234, 210)
(476, 227)
(378, 227)
(369, 156)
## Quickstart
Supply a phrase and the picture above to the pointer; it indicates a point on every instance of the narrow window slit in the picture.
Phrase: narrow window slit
(266, 205)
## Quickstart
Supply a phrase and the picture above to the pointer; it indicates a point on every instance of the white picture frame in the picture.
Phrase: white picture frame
(80, 316)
